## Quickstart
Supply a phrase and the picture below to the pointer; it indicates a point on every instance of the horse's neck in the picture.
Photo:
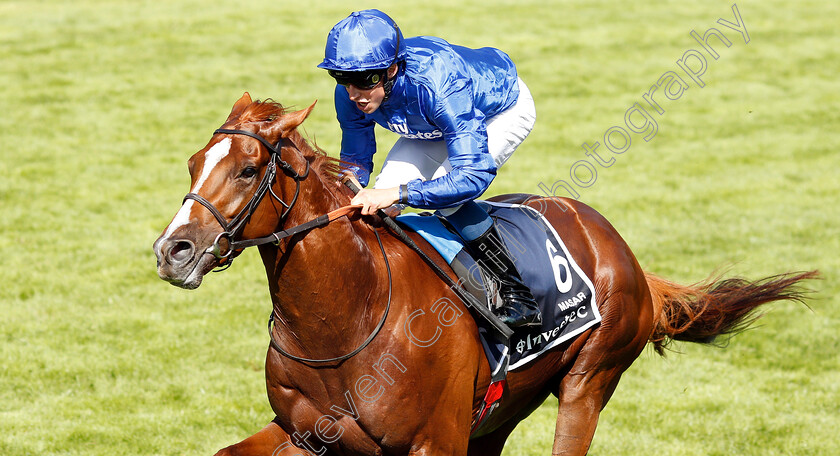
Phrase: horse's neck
(327, 283)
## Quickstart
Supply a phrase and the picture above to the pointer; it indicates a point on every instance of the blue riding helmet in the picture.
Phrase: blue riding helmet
(365, 40)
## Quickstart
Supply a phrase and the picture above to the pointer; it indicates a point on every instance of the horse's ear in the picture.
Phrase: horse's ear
(286, 124)
(239, 106)
(293, 120)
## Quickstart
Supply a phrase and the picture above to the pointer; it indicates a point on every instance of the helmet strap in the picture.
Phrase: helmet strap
(388, 84)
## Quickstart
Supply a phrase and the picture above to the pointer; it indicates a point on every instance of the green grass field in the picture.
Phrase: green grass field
(102, 102)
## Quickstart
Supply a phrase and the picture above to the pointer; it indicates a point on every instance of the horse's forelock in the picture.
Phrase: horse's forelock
(261, 111)
(268, 110)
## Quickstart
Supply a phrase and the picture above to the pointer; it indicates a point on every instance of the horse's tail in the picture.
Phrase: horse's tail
(702, 311)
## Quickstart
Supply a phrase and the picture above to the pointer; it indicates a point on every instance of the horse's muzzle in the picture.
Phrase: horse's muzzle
(180, 263)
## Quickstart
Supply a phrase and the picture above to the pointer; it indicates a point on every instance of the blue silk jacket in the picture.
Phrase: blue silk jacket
(445, 93)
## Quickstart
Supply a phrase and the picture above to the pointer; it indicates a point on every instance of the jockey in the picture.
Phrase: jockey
(460, 113)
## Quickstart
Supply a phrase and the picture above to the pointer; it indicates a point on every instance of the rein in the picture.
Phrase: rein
(274, 238)
(364, 344)
(231, 229)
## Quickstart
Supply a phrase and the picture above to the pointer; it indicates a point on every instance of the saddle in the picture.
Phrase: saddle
(565, 294)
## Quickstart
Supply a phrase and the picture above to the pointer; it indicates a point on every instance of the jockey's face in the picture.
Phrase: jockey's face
(369, 100)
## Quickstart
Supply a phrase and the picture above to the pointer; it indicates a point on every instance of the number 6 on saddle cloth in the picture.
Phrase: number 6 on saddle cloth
(565, 294)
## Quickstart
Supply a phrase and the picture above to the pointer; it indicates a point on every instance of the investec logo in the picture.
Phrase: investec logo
(402, 130)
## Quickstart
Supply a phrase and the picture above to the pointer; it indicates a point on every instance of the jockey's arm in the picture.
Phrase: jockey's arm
(358, 140)
(465, 133)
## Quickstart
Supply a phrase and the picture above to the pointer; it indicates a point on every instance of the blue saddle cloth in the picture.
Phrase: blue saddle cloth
(565, 294)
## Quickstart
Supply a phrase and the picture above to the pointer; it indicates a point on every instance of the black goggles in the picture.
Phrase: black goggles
(364, 80)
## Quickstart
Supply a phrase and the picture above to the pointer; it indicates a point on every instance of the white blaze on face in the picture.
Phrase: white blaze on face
(211, 158)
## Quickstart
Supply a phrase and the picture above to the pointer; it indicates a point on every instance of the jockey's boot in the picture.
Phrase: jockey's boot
(519, 308)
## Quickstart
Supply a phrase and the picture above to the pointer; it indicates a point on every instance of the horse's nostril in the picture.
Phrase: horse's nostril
(181, 252)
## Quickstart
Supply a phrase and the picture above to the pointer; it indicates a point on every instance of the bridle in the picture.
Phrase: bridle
(231, 229)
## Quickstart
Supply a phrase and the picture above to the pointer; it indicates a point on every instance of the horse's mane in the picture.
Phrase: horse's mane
(268, 110)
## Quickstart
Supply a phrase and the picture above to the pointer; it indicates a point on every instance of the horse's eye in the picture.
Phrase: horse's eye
(249, 172)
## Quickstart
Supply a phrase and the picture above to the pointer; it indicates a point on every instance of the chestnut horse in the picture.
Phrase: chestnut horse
(345, 292)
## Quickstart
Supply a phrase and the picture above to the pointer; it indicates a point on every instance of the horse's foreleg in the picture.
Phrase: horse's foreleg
(270, 441)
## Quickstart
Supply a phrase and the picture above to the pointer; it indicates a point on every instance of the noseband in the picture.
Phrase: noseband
(231, 229)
